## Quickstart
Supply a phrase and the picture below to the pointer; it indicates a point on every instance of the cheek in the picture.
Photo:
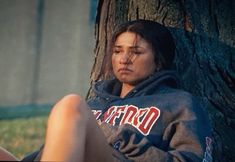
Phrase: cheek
(148, 68)
(149, 64)
(114, 63)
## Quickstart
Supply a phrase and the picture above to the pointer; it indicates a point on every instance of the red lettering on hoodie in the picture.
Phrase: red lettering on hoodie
(138, 116)
(108, 114)
(97, 113)
(116, 114)
(148, 121)
(143, 119)
(129, 115)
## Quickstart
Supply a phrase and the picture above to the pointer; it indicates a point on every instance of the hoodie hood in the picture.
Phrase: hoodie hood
(112, 88)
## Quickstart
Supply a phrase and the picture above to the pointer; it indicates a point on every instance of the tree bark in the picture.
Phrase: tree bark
(205, 57)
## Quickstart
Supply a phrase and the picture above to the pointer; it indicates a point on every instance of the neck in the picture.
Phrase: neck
(126, 88)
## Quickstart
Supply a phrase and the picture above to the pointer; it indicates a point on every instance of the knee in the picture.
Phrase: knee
(70, 107)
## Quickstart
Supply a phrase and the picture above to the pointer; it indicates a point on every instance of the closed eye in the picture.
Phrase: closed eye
(117, 52)
(136, 52)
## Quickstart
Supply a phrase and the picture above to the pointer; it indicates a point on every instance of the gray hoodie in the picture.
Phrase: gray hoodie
(154, 122)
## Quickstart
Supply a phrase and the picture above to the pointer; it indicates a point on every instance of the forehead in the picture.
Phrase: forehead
(130, 39)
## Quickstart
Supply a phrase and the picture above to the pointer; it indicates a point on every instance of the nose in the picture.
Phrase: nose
(125, 58)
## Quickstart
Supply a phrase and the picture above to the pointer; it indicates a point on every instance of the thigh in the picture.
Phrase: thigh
(73, 133)
(97, 147)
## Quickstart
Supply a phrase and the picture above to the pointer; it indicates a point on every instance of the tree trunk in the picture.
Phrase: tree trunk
(205, 57)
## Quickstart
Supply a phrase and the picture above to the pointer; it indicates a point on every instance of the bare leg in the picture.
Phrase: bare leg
(73, 134)
(6, 156)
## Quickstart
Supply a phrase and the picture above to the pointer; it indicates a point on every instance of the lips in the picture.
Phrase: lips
(124, 70)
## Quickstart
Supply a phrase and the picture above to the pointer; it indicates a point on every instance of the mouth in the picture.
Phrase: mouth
(124, 70)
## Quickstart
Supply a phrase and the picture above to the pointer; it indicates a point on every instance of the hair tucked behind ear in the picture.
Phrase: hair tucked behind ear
(157, 35)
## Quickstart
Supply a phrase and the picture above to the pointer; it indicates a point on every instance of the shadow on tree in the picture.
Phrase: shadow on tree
(207, 70)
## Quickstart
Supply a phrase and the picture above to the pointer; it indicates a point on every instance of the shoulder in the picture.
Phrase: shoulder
(178, 96)
(183, 101)
(184, 107)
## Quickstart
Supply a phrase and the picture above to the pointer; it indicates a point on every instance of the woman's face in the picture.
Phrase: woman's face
(132, 58)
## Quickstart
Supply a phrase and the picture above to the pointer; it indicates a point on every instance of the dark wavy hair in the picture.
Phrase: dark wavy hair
(157, 35)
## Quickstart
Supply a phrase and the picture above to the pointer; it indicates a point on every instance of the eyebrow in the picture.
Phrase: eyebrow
(132, 47)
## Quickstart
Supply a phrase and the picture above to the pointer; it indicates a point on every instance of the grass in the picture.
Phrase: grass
(22, 136)
(22, 128)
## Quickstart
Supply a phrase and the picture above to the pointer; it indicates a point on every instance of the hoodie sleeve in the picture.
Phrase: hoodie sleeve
(186, 138)
(186, 145)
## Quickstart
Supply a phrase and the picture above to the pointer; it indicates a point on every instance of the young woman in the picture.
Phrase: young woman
(139, 115)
